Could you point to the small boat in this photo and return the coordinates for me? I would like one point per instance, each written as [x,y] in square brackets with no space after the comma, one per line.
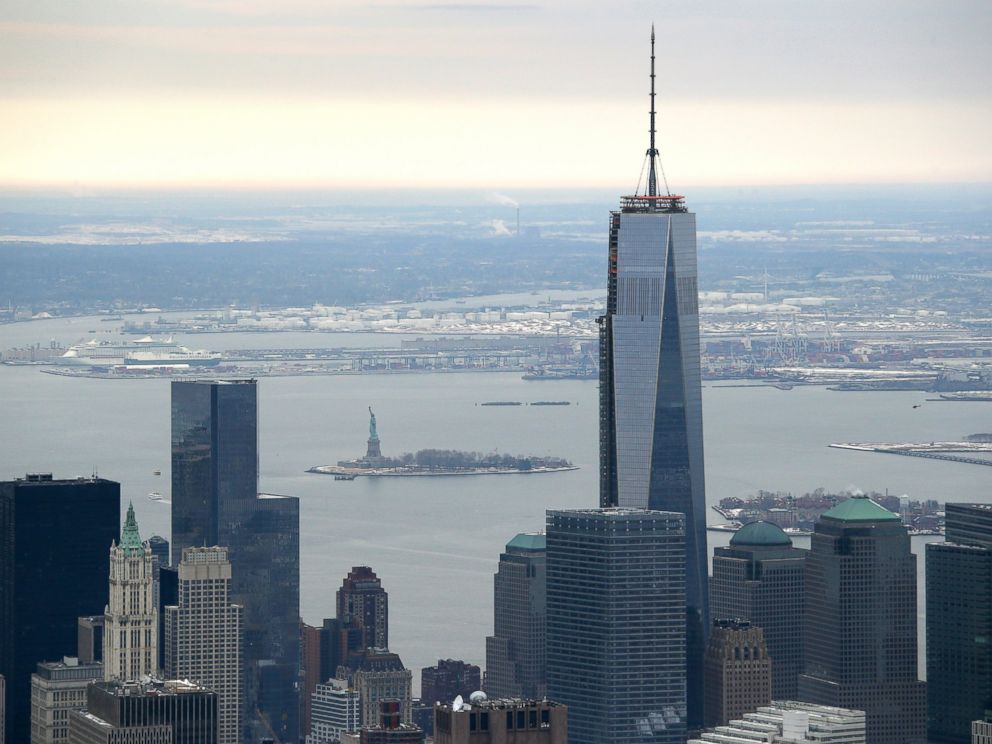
[155,496]
[156,472]
[344,477]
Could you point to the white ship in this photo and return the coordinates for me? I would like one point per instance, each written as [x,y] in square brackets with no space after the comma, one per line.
[144,352]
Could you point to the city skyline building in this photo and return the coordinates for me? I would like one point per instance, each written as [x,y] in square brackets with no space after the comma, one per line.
[130,649]
[203,634]
[737,672]
[449,679]
[861,646]
[760,577]
[310,672]
[362,603]
[650,410]
[89,638]
[616,624]
[388,728]
[54,564]
[380,675]
[959,624]
[336,708]
[215,501]
[148,712]
[57,688]
[515,652]
[516,721]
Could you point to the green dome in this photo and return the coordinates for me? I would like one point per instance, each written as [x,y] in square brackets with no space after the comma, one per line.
[760,533]
[861,509]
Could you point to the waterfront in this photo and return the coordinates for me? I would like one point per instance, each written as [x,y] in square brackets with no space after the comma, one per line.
[436,542]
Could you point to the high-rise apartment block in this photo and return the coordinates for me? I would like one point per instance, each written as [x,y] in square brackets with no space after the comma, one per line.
[651,415]
[449,679]
[336,708]
[515,653]
[310,672]
[58,688]
[737,672]
[503,722]
[380,675]
[616,623]
[860,647]
[362,603]
[215,501]
[131,618]
[151,712]
[959,624]
[790,722]
[54,565]
[203,634]
[760,578]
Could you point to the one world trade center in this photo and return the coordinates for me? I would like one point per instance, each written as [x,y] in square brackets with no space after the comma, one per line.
[651,418]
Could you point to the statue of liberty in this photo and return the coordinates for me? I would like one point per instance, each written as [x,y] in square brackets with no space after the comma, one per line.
[374,452]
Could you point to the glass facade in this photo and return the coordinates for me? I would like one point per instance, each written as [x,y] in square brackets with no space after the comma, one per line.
[959,624]
[651,427]
[55,538]
[616,624]
[215,501]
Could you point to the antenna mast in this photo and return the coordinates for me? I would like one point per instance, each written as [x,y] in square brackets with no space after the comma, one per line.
[652,150]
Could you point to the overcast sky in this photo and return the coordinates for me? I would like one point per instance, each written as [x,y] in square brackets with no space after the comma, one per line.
[492,94]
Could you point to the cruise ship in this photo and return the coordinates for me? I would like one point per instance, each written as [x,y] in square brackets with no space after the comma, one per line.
[144,352]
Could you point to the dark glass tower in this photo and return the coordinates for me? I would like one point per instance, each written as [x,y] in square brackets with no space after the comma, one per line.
[515,654]
[760,578]
[616,624]
[959,624]
[215,501]
[55,538]
[651,414]
[860,647]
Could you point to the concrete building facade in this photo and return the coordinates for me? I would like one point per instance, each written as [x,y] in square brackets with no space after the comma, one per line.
[737,672]
[130,638]
[790,722]
[203,634]
[760,577]
[861,646]
[57,688]
[381,676]
[502,722]
[336,708]
[447,680]
[515,652]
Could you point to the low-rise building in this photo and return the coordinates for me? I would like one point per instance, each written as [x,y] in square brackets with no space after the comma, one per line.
[790,722]
[57,688]
[483,721]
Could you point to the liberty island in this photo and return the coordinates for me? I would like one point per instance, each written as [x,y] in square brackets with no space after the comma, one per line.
[437,462]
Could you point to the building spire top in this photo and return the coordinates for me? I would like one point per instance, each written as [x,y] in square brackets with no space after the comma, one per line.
[130,539]
[652,152]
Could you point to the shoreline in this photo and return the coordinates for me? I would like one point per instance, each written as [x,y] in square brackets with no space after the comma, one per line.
[399,473]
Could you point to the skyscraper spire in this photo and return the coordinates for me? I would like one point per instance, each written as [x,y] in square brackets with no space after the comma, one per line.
[652,150]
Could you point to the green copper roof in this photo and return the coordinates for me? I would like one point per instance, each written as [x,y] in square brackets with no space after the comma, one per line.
[130,539]
[861,509]
[760,533]
[528,541]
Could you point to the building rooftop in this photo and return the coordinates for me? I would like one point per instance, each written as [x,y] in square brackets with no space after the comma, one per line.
[528,541]
[760,533]
[861,509]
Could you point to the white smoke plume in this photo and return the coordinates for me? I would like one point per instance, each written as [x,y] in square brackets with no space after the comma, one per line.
[505,200]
